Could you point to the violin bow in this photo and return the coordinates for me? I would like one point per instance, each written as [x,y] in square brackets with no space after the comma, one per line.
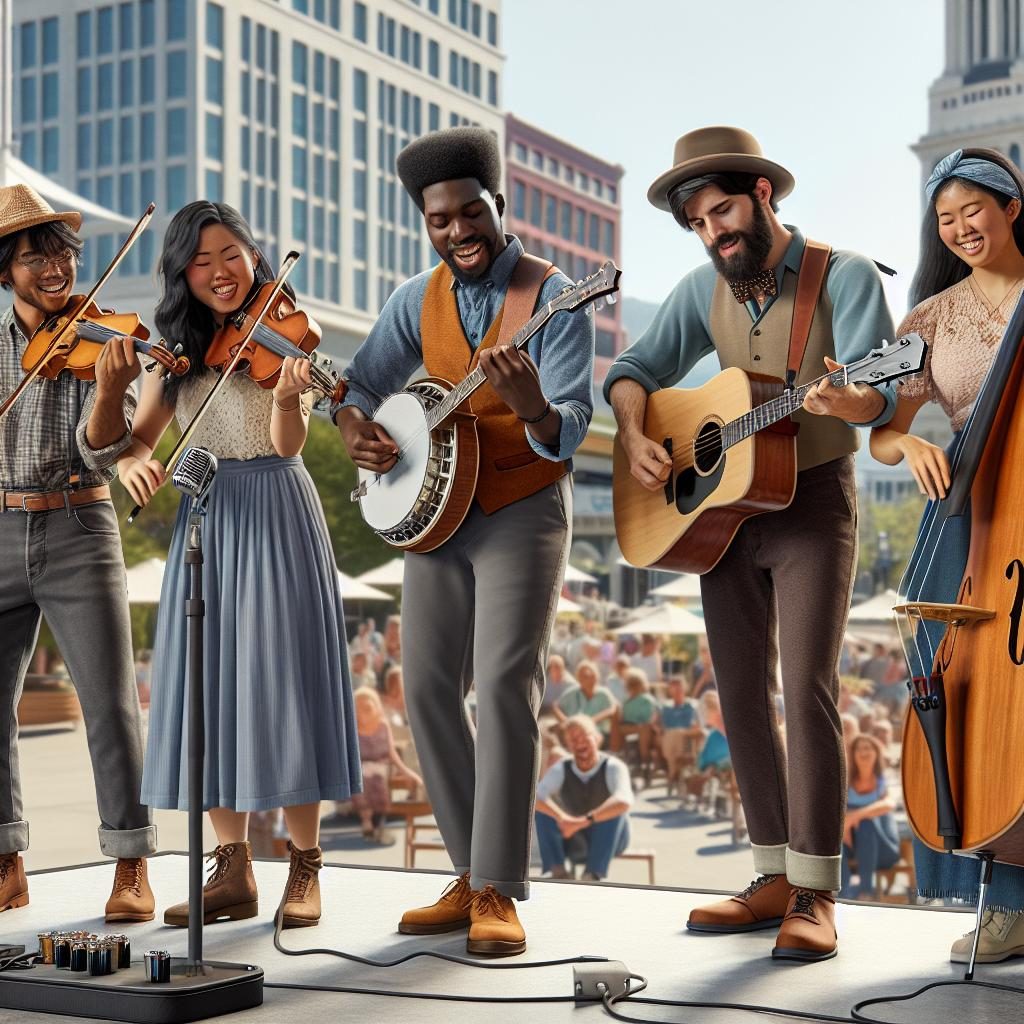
[286,268]
[60,343]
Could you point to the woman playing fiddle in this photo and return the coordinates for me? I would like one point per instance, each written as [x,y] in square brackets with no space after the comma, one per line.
[60,550]
[280,726]
[969,279]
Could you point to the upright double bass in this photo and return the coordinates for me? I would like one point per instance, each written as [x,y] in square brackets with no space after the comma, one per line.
[963,744]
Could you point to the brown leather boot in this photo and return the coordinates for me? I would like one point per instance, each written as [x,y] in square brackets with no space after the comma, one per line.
[230,892]
[808,932]
[761,905]
[13,883]
[131,898]
[448,914]
[301,906]
[494,928]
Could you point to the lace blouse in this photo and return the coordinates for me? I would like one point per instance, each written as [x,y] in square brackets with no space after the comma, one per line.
[962,330]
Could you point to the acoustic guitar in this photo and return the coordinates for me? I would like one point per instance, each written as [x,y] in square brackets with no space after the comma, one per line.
[732,458]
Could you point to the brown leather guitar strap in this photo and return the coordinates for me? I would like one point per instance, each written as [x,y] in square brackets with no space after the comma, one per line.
[813,267]
[521,298]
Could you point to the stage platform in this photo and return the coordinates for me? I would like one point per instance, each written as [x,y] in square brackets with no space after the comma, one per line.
[883,951]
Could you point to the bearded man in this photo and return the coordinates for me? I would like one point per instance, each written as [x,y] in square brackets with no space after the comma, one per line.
[801,558]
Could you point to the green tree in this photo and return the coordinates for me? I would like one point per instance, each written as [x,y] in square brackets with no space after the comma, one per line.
[899,521]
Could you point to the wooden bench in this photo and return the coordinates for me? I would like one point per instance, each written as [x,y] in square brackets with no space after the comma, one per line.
[645,855]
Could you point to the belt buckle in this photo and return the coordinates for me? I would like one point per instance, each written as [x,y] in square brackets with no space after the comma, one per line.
[24,498]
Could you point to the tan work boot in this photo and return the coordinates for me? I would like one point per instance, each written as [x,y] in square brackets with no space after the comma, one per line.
[448,914]
[301,906]
[131,898]
[1002,937]
[808,932]
[230,891]
[494,928]
[761,905]
[13,883]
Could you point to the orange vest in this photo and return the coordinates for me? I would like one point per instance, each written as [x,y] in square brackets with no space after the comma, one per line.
[509,468]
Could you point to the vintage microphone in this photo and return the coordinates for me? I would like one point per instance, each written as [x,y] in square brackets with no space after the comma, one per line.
[193,476]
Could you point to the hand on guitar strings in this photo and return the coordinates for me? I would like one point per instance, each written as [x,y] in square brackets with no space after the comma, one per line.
[854,403]
[649,463]
[369,445]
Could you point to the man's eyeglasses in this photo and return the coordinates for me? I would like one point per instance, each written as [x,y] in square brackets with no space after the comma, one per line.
[38,264]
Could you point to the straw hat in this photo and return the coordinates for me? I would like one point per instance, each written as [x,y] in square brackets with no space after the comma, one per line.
[714,151]
[22,207]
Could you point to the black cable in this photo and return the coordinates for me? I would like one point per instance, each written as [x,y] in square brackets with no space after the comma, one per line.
[858,1016]
[20,961]
[348,990]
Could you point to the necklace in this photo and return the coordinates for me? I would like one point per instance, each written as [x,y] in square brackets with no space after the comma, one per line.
[994,310]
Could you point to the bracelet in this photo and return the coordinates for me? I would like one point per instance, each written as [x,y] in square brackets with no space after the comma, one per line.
[537,419]
[287,408]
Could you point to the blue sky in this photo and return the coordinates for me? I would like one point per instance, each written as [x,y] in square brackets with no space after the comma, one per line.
[836,92]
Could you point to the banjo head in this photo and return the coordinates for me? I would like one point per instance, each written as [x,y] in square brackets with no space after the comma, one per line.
[390,496]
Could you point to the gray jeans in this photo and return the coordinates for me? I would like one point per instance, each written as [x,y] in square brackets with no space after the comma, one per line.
[479,611]
[71,569]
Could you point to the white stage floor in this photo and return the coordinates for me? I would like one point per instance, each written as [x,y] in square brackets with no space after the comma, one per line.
[883,950]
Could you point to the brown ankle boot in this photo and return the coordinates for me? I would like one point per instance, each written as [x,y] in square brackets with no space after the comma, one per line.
[448,914]
[13,883]
[131,898]
[230,892]
[301,905]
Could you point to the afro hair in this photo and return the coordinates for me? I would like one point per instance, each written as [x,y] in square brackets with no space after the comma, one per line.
[447,156]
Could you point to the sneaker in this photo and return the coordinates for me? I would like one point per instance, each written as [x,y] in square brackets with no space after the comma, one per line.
[1002,937]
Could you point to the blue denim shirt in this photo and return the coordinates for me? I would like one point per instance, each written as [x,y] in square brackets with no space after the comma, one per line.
[563,350]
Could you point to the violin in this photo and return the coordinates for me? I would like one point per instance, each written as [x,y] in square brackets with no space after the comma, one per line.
[284,330]
[80,346]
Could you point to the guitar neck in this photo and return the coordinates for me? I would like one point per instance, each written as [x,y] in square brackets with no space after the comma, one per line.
[472,381]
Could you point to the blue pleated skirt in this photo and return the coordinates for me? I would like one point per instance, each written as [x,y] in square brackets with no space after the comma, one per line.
[280,725]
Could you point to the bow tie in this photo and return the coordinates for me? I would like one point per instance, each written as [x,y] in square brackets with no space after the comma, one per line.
[762,283]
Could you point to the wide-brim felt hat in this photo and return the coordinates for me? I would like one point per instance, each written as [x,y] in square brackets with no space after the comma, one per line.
[715,150]
[23,207]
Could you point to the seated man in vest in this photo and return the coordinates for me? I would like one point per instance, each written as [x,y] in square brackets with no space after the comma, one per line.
[800,559]
[583,804]
[479,607]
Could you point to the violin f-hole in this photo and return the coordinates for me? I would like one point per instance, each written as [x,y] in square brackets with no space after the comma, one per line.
[1013,641]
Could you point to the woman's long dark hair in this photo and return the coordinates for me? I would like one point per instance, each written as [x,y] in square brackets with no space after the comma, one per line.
[180,317]
[938,268]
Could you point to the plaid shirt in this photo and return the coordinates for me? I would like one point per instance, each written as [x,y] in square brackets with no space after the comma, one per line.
[42,436]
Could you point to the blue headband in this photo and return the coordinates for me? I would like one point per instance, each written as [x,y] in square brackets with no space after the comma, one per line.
[976,169]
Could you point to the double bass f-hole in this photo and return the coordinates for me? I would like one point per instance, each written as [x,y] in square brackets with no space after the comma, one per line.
[1013,639]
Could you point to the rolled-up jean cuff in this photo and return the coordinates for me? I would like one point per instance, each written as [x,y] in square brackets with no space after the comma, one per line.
[769,860]
[809,871]
[132,842]
[14,837]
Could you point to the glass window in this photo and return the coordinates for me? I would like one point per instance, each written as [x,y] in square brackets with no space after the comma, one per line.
[274,57]
[492,88]
[492,28]
[334,179]
[518,200]
[261,154]
[299,226]
[335,15]
[51,150]
[453,69]
[359,140]
[613,194]
[609,238]
[302,6]
[51,41]
[566,225]
[334,136]
[27,148]
[147,138]
[29,44]
[360,89]
[359,21]
[246,147]
[362,292]
[359,239]
[51,95]
[434,117]
[126,192]
[214,80]
[335,80]
[584,182]
[300,57]
[359,189]
[476,79]
[177,72]
[29,111]
[551,214]
[83,146]
[246,39]
[319,175]
[105,87]
[535,207]
[214,137]
[475,22]
[105,30]
[261,46]
[126,26]
[147,22]
[177,131]
[127,140]
[176,187]
[127,82]
[581,226]
[319,227]
[177,12]
[594,241]
[214,186]
[147,80]
[83,30]
[105,193]
[319,72]
[105,145]
[434,58]
[215,25]
[318,124]
[299,122]
[299,167]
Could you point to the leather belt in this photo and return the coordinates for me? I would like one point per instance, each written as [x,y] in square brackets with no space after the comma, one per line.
[47,501]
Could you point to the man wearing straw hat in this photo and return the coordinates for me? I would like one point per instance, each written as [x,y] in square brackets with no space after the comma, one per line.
[60,550]
[802,558]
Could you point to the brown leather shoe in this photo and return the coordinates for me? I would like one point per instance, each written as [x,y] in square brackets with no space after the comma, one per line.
[808,932]
[230,892]
[131,898]
[13,883]
[448,914]
[761,905]
[494,928]
[301,906]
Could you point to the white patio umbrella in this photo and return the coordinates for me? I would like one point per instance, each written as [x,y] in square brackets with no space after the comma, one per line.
[668,619]
[144,581]
[686,585]
[389,574]
[574,575]
[875,609]
[355,590]
[567,607]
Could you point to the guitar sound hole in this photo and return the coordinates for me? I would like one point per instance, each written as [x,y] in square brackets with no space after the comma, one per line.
[707,448]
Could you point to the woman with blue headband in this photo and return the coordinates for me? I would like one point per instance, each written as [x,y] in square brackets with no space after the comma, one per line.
[969,280]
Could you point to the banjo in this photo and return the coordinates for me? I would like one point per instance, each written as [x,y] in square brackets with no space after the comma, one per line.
[423,499]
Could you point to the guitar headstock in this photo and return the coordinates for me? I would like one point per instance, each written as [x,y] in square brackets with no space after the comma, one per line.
[899,358]
[604,281]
